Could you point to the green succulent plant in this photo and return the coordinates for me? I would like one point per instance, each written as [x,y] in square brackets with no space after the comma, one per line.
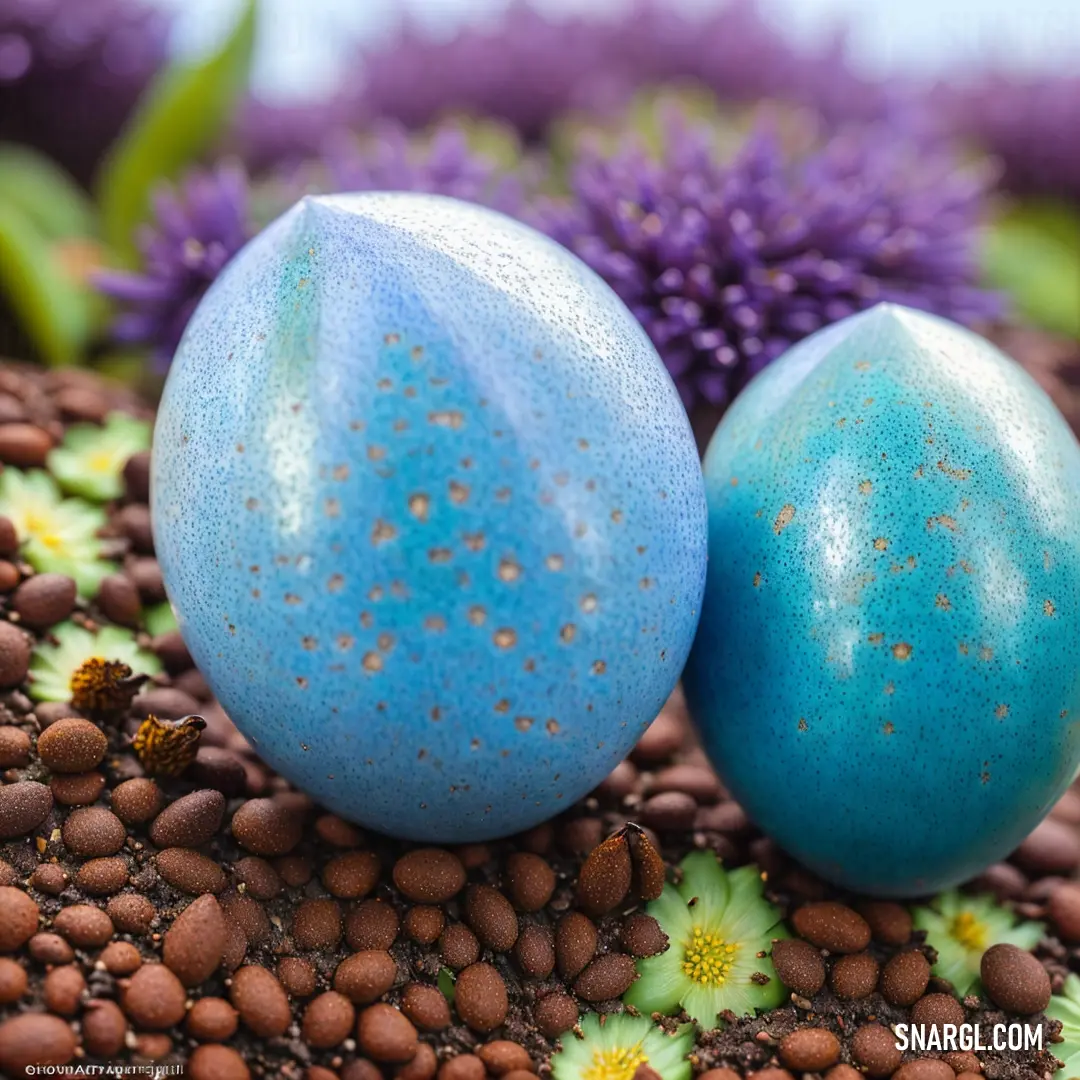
[962,927]
[91,459]
[1066,1008]
[57,535]
[721,930]
[614,1046]
[52,665]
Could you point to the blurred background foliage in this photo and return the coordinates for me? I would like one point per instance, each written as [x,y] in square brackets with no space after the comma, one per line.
[738,179]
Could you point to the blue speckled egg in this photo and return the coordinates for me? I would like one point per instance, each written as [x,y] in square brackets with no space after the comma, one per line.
[887,671]
[430,513]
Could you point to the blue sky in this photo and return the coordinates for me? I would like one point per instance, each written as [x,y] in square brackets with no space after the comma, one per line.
[304,42]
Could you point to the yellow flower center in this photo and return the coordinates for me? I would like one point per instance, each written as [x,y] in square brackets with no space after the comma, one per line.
[969,931]
[619,1063]
[40,527]
[708,958]
[101,462]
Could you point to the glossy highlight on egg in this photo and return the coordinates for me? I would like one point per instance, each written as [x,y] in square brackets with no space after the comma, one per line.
[430,514]
[887,670]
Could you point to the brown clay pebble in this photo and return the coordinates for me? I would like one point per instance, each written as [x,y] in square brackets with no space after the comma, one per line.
[1064,911]
[137,801]
[211,1019]
[843,1072]
[337,832]
[770,1074]
[264,827]
[23,807]
[491,917]
[12,980]
[103,1028]
[154,998]
[854,976]
[249,915]
[190,872]
[576,938]
[905,978]
[1015,980]
[962,1061]
[219,769]
[365,976]
[84,926]
[555,1014]
[351,875]
[530,881]
[102,877]
[423,1065]
[328,1020]
[605,875]
[501,1056]
[120,958]
[386,1034]
[14,748]
[77,789]
[832,926]
[317,924]
[297,976]
[462,1067]
[190,821]
[889,922]
[194,943]
[924,1069]
[362,1069]
[606,977]
[937,1010]
[260,879]
[642,935]
[425,1006]
[50,949]
[261,1001]
[215,1062]
[49,878]
[458,946]
[72,746]
[799,966]
[424,923]
[63,989]
[152,1046]
[429,875]
[670,811]
[1052,848]
[34,1039]
[119,599]
[874,1047]
[18,918]
[480,997]
[534,951]
[372,925]
[14,654]
[720,1074]
[131,913]
[24,445]
[44,600]
[809,1049]
[93,831]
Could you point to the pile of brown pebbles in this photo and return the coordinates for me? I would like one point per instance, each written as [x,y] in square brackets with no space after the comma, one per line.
[222,922]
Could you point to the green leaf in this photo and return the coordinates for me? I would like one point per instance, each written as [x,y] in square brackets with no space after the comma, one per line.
[179,118]
[1033,252]
[42,192]
[55,309]
[160,619]
[446,984]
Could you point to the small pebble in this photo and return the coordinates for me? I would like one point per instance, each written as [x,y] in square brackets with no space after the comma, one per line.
[799,966]
[534,951]
[554,1014]
[102,877]
[576,939]
[154,998]
[1063,909]
[874,1047]
[424,924]
[194,944]
[905,978]
[24,445]
[34,1039]
[297,976]
[261,1001]
[425,1006]
[809,1049]
[937,1010]
[44,600]
[23,807]
[63,989]
[670,811]
[264,827]
[1052,848]
[890,923]
[212,1061]
[77,789]
[832,926]
[18,918]
[104,1028]
[189,821]
[352,875]
[317,924]
[260,879]
[48,948]
[605,876]
[93,831]
[14,748]
[480,997]
[365,976]
[328,1020]
[212,1019]
[491,917]
[121,958]
[374,924]
[530,881]
[642,935]
[924,1069]
[607,977]
[385,1034]
[1015,980]
[14,654]
[137,801]
[429,875]
[131,913]
[49,878]
[462,1067]
[119,599]
[12,980]
[190,872]
[854,976]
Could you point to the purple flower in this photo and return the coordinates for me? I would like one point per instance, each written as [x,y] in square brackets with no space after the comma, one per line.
[1031,127]
[726,264]
[202,224]
[197,228]
[71,70]
[527,69]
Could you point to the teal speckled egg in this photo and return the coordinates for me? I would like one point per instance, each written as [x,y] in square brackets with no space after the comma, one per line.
[887,669]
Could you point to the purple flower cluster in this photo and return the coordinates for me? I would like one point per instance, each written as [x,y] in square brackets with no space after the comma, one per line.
[726,264]
[197,228]
[528,69]
[1032,127]
[71,71]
